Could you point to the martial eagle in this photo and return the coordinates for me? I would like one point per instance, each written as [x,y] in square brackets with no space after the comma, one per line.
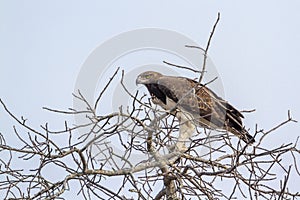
[186,95]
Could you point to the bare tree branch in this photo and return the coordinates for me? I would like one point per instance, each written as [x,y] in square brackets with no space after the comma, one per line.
[141,151]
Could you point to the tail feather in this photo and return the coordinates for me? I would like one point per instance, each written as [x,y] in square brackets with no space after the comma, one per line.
[244,135]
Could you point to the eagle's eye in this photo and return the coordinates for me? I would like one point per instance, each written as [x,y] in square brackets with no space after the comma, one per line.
[147,76]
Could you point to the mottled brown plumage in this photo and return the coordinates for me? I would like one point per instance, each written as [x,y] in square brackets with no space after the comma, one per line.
[206,108]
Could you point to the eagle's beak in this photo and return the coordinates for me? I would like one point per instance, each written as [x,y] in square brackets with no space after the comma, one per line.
[138,80]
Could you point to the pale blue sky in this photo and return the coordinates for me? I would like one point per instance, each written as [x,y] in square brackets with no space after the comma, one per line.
[255,49]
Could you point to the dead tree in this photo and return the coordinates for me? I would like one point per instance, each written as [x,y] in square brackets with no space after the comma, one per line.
[129,155]
[91,160]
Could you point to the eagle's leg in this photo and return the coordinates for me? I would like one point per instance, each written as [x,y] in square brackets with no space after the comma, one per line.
[186,130]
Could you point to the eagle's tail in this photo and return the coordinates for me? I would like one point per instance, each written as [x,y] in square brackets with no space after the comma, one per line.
[244,135]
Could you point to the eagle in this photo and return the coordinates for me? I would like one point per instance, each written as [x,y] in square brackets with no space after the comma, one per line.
[202,105]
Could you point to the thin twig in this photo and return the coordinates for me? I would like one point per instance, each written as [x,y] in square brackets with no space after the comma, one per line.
[105,87]
[206,49]
[181,67]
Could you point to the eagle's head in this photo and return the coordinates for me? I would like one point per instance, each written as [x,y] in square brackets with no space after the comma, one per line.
[148,77]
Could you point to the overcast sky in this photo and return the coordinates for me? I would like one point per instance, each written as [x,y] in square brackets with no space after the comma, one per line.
[255,49]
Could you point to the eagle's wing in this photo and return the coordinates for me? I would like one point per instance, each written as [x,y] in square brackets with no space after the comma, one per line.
[203,104]
[230,116]
[205,107]
[193,99]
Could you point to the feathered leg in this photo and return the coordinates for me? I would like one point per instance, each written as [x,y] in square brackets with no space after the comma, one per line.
[186,130]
